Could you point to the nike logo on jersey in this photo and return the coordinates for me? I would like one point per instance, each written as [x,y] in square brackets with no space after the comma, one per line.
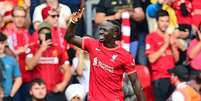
[97,49]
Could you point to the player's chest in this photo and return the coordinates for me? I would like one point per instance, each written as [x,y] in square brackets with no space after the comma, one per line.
[107,59]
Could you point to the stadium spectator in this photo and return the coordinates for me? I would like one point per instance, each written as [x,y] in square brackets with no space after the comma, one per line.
[11,74]
[160,47]
[49,63]
[107,61]
[183,9]
[64,13]
[81,66]
[75,92]
[37,90]
[194,54]
[18,41]
[183,91]
[51,16]
[152,10]
[182,41]
[196,83]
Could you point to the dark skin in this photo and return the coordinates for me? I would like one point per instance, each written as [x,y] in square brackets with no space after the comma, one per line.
[107,37]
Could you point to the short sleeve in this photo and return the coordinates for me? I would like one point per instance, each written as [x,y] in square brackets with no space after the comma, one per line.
[16,70]
[87,43]
[129,65]
[149,46]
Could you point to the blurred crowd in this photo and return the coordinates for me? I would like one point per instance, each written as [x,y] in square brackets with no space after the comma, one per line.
[164,36]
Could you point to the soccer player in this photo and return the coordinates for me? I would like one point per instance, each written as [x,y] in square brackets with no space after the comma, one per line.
[108,62]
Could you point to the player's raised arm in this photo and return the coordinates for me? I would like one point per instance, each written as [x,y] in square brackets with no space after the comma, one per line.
[71,25]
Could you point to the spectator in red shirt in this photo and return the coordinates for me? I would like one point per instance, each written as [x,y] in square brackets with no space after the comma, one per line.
[51,16]
[162,54]
[183,10]
[49,63]
[18,40]
[108,62]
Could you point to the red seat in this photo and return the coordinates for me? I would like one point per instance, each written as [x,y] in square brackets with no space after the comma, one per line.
[145,80]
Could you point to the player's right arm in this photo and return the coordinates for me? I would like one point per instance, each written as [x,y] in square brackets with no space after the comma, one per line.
[70,36]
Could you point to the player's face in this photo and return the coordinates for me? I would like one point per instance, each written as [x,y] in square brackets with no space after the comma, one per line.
[2,46]
[38,91]
[163,23]
[106,32]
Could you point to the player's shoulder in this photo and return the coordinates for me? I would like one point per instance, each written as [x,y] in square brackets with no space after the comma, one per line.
[89,38]
[123,52]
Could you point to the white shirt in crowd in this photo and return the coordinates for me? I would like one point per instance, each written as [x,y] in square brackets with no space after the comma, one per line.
[84,79]
[64,15]
[177,95]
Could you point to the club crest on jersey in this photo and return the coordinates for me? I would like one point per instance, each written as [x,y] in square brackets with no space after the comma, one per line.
[114,57]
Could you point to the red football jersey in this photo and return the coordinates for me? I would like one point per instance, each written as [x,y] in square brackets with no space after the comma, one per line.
[19,38]
[107,67]
[49,66]
[57,38]
[166,61]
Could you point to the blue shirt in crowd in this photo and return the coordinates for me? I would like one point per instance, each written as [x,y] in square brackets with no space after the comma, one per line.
[10,72]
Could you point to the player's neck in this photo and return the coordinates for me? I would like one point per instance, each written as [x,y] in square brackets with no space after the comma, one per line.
[110,44]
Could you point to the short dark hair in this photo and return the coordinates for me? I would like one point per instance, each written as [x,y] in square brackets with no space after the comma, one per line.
[161,13]
[3,37]
[36,81]
[117,28]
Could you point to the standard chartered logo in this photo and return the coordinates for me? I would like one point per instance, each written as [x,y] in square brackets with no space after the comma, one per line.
[102,65]
[95,62]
